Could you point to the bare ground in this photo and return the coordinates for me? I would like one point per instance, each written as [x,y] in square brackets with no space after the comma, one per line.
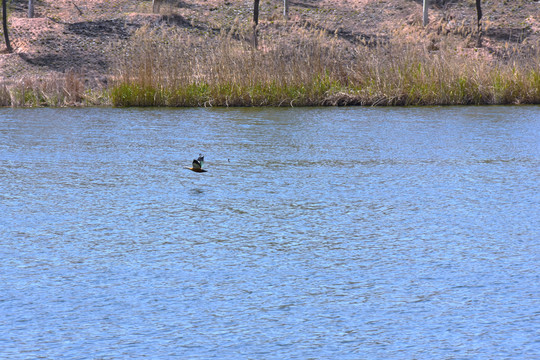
[83,36]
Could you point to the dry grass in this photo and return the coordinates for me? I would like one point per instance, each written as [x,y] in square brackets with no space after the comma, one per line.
[56,91]
[222,71]
[164,68]
[161,68]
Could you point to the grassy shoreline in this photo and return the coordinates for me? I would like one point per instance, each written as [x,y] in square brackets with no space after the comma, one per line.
[163,68]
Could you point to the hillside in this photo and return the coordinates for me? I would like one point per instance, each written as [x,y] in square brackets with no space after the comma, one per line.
[87,37]
[80,35]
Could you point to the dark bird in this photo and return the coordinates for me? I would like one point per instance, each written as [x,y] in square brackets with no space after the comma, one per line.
[197,165]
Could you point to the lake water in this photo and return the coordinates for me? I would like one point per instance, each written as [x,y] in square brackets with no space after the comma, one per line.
[324,233]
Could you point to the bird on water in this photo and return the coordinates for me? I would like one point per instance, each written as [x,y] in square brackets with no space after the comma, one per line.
[197,165]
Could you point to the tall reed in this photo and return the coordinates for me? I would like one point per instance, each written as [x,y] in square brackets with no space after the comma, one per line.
[168,68]
[300,67]
[69,89]
[172,70]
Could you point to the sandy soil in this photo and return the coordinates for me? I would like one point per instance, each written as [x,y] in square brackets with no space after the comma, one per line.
[81,35]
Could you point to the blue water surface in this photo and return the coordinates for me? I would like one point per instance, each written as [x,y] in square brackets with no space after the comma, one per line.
[320,233]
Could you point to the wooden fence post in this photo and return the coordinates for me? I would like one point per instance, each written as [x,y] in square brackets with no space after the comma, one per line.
[425,18]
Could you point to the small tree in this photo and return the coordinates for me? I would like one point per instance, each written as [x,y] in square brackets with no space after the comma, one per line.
[286,9]
[5,26]
[479,22]
[255,21]
[155,6]
[30,8]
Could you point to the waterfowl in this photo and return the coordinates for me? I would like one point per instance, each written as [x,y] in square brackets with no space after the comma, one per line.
[197,165]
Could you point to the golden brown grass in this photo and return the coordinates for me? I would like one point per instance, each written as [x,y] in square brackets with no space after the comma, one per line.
[162,68]
[70,89]
[303,67]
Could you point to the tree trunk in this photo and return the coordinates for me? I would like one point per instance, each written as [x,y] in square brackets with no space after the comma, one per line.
[479,23]
[425,18]
[286,9]
[30,8]
[155,6]
[255,21]
[4,25]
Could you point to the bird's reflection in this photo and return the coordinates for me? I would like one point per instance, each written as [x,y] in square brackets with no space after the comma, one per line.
[196,191]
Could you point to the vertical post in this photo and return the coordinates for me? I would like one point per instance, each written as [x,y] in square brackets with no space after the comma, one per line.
[479,13]
[255,21]
[155,6]
[286,9]
[30,8]
[479,22]
[4,25]
[425,18]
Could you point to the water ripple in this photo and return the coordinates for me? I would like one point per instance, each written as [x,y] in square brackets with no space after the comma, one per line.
[408,233]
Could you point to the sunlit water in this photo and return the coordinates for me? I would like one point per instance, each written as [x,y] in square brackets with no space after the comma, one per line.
[356,233]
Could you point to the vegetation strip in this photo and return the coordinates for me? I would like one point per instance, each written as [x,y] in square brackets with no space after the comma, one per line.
[155,72]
